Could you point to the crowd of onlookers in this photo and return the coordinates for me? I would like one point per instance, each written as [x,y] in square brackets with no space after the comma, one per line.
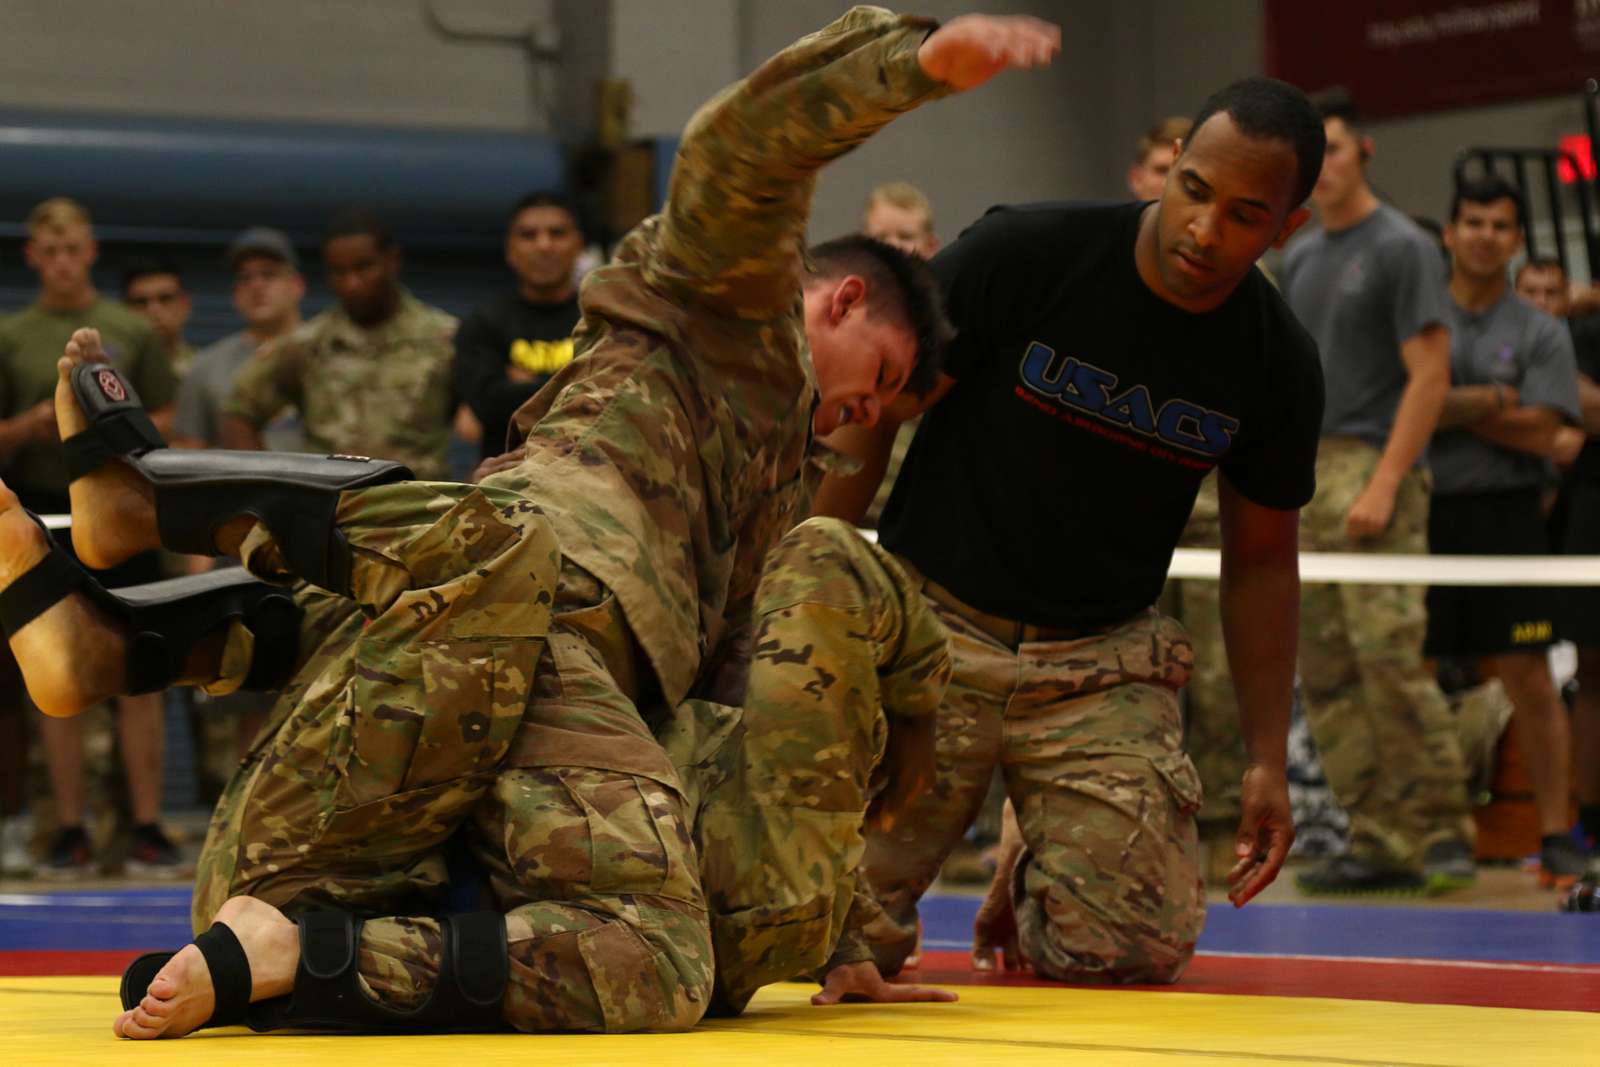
[1461,392]
[379,372]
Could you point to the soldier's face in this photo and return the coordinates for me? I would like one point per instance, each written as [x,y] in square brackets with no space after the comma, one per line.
[162,300]
[1483,239]
[1546,289]
[362,275]
[62,257]
[542,247]
[266,291]
[905,228]
[862,360]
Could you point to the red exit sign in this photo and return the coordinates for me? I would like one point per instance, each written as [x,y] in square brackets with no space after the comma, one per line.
[1577,144]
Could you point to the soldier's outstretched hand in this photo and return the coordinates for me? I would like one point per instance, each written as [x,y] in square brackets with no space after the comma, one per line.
[862,983]
[967,51]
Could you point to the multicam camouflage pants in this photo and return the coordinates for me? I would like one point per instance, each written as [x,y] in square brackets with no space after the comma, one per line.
[1088,735]
[1211,710]
[845,651]
[1384,731]
[471,685]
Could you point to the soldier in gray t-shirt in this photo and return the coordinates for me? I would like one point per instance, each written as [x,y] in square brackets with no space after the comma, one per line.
[1514,385]
[1370,287]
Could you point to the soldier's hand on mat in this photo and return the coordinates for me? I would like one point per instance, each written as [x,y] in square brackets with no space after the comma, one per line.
[967,51]
[909,769]
[861,983]
[1266,830]
[1371,514]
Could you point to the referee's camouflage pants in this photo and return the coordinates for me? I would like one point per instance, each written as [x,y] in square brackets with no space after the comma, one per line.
[1383,729]
[473,685]
[1088,736]
[1211,709]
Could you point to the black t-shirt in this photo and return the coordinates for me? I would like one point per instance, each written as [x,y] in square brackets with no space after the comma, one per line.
[1051,483]
[509,330]
[1586,346]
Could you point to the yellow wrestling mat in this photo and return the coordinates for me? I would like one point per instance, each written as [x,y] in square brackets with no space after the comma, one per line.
[67,1022]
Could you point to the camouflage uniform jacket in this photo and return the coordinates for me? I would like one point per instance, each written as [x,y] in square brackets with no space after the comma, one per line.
[381,392]
[669,453]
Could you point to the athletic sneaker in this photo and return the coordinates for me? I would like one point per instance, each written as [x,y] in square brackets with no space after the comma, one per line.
[1449,865]
[1346,875]
[15,860]
[1561,861]
[69,855]
[153,855]
[1585,893]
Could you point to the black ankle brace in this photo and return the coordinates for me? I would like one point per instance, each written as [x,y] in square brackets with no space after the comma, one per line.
[473,971]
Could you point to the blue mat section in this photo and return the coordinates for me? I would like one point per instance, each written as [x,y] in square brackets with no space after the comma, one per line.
[1344,930]
[90,920]
[145,919]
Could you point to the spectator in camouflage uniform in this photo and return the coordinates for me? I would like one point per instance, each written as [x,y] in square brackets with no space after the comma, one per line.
[371,375]
[486,664]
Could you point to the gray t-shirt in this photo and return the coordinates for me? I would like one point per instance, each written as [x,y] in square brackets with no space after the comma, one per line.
[1360,293]
[206,389]
[1515,344]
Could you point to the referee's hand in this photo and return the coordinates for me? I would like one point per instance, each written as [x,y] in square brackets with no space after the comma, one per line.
[1266,830]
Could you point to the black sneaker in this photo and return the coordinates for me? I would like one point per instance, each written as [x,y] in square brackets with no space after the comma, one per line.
[153,855]
[1347,875]
[1449,865]
[1561,861]
[69,856]
[1585,892]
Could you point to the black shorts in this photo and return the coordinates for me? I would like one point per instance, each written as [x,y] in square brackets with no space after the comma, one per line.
[1474,620]
[1580,617]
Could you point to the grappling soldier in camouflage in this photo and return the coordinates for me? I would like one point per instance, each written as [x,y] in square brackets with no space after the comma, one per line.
[476,657]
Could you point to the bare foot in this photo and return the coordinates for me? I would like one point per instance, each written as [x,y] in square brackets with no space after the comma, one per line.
[72,656]
[113,509]
[180,997]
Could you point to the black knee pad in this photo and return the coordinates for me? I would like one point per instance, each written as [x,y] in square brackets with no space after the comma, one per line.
[166,618]
[474,968]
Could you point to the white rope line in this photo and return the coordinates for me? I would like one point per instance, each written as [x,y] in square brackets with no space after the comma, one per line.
[1359,568]
[1368,568]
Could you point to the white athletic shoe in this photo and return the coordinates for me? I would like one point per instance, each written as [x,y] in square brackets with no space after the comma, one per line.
[15,859]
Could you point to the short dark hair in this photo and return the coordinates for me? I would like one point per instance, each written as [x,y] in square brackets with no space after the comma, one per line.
[900,285]
[1486,189]
[1337,102]
[1540,263]
[144,267]
[547,198]
[1270,109]
[358,222]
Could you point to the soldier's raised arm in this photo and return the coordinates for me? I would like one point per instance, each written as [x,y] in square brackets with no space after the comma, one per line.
[733,229]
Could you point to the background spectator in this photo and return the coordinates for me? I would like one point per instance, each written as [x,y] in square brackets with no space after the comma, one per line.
[1513,383]
[509,347]
[1544,283]
[153,288]
[1153,155]
[371,375]
[898,214]
[1370,288]
[267,290]
[61,249]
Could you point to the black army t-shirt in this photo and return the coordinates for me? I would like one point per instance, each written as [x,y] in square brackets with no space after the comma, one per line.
[509,331]
[1051,483]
